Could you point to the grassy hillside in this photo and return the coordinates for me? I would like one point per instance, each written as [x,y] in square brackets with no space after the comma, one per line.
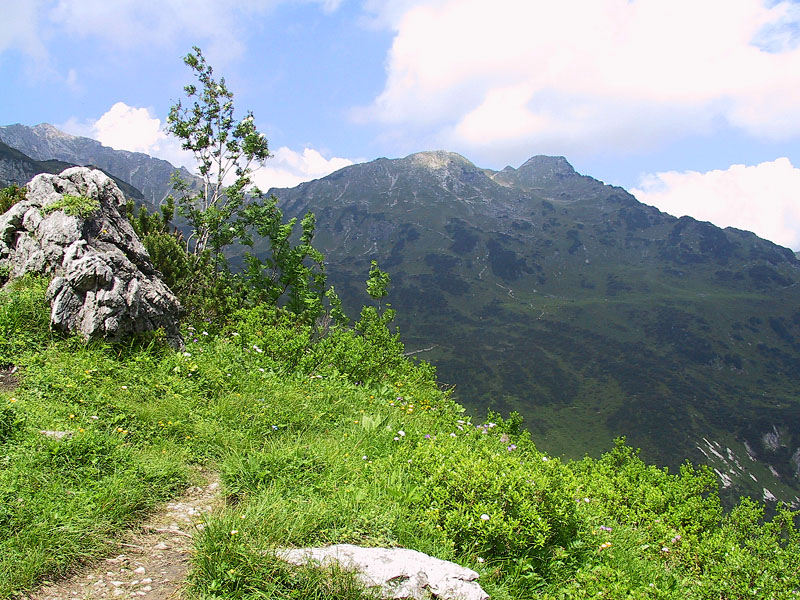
[338,438]
[547,292]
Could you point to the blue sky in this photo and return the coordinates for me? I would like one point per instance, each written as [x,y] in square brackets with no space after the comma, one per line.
[694,105]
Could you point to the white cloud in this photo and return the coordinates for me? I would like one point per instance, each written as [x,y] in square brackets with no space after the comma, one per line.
[578,75]
[764,198]
[29,25]
[288,168]
[125,127]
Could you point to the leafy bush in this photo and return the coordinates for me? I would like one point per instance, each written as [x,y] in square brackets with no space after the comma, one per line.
[74,206]
[492,501]
[10,195]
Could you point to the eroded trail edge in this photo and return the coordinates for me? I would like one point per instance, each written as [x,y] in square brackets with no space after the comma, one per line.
[152,560]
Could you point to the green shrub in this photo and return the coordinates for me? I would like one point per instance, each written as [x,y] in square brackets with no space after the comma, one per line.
[10,195]
[74,206]
[494,501]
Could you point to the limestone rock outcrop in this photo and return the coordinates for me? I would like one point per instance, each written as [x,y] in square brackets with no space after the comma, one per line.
[397,572]
[104,284]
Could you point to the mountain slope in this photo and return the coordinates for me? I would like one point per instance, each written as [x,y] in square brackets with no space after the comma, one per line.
[44,142]
[545,291]
[541,290]
[17,168]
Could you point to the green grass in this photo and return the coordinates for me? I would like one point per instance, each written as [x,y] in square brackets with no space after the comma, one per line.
[313,450]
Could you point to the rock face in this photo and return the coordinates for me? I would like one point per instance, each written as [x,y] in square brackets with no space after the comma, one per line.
[44,142]
[104,284]
[398,572]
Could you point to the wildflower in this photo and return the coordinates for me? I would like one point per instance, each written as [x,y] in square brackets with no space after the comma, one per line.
[364,457]
[511,447]
[205,333]
[396,439]
[401,433]
[665,549]
[604,528]
[260,369]
[234,531]
[427,436]
[504,438]
[545,459]
[274,428]
[605,545]
[187,354]
[676,539]
[234,334]
[485,517]
[12,400]
[481,560]
[124,387]
[586,500]
[452,435]
[72,416]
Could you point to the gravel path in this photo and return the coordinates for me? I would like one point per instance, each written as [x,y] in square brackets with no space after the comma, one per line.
[153,559]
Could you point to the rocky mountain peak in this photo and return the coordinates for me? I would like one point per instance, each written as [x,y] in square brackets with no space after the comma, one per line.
[542,166]
[49,130]
[436,160]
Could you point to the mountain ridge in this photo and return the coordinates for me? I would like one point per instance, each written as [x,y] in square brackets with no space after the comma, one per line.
[542,290]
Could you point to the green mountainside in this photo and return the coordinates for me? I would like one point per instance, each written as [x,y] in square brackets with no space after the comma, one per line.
[540,290]
[547,292]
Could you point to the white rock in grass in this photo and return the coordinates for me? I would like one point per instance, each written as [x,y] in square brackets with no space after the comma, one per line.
[399,572]
[57,435]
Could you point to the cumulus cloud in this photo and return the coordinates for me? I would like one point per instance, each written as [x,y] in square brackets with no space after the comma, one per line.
[761,198]
[125,127]
[288,168]
[576,75]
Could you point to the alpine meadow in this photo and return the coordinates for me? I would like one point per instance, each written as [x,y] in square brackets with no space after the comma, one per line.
[412,353]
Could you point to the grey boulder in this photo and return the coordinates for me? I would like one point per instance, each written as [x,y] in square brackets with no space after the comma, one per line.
[398,572]
[104,284]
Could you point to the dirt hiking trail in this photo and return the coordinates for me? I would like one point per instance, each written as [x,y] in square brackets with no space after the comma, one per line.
[152,559]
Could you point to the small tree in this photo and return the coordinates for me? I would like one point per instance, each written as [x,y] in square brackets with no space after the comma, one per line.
[220,215]
[223,148]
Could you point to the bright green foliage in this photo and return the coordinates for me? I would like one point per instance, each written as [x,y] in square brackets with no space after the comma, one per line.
[378,457]
[377,283]
[222,213]
[492,501]
[24,318]
[296,271]
[223,147]
[10,195]
[75,206]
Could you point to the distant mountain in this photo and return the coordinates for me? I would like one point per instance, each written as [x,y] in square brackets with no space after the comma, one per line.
[542,290]
[16,167]
[44,142]
[547,292]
